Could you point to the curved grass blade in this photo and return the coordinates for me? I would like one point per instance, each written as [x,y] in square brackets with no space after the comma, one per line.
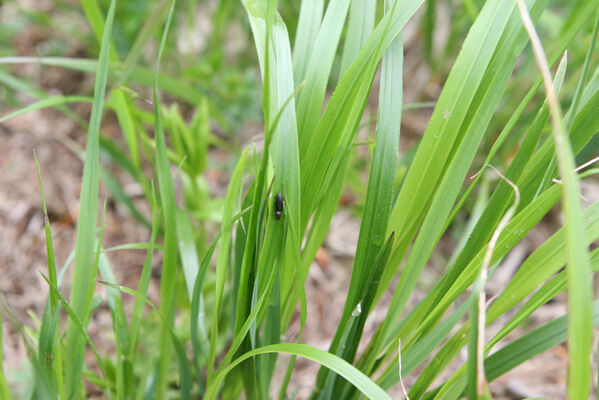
[336,364]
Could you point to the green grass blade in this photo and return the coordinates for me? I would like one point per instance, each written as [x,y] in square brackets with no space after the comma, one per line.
[54,101]
[144,283]
[198,331]
[336,364]
[531,344]
[307,29]
[48,232]
[187,250]
[151,24]
[359,28]
[145,76]
[82,331]
[580,292]
[334,133]
[379,197]
[551,289]
[4,389]
[223,254]
[168,279]
[185,380]
[119,322]
[86,223]
[311,99]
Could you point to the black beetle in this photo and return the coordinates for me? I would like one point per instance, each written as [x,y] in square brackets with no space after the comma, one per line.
[278,206]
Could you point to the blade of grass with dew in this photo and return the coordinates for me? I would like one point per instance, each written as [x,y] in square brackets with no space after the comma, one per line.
[86,223]
[336,364]
[349,346]
[359,28]
[310,17]
[379,197]
[326,390]
[579,288]
[447,280]
[168,281]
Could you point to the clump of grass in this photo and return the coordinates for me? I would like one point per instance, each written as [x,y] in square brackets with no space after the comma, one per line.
[264,252]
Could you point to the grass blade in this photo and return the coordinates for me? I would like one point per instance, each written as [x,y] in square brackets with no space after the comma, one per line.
[86,223]
[336,364]
[578,270]
[168,280]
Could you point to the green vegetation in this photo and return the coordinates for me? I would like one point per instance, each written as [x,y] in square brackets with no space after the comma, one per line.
[219,326]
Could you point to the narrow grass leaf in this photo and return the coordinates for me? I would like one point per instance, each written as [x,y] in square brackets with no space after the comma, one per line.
[46,103]
[86,223]
[336,364]
[168,281]
[578,270]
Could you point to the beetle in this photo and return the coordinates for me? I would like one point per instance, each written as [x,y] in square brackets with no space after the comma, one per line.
[278,206]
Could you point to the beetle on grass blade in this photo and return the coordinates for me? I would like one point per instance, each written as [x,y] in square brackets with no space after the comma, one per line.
[278,206]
